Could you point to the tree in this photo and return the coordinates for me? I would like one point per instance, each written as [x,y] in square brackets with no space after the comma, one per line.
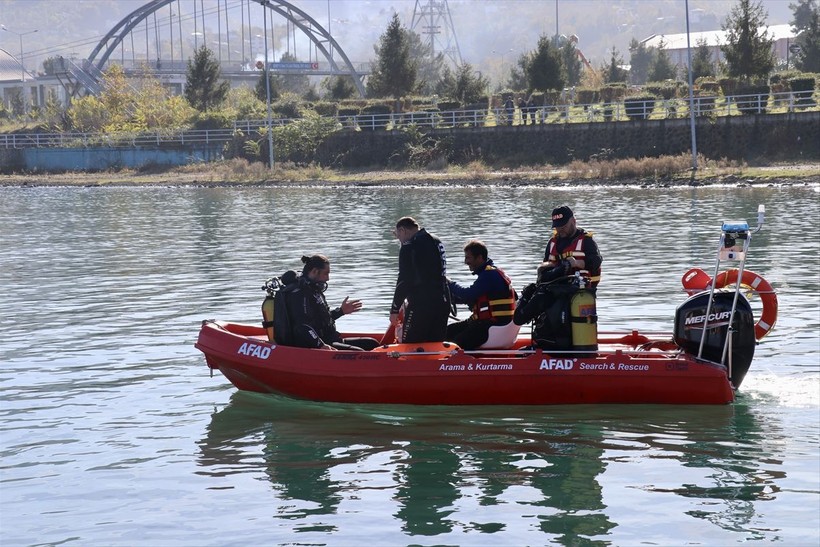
[803,12]
[748,52]
[573,69]
[395,72]
[518,72]
[293,83]
[261,89]
[430,66]
[466,85]
[702,62]
[340,87]
[613,72]
[544,70]
[662,67]
[640,61]
[203,88]
[807,21]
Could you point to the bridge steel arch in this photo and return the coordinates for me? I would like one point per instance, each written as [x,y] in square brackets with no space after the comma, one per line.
[307,24]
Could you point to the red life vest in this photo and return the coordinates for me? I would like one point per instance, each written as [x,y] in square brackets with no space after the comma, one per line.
[498,306]
[576,250]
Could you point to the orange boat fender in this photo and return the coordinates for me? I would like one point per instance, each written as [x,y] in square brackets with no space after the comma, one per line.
[763,288]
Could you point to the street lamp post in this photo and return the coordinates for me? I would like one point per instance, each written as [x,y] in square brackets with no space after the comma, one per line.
[20,35]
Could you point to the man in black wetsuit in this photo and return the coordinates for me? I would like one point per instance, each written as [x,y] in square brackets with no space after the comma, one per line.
[312,322]
[422,282]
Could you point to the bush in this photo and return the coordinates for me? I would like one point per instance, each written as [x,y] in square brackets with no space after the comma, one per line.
[752,99]
[704,105]
[447,111]
[639,107]
[289,106]
[664,90]
[587,95]
[326,109]
[474,114]
[802,88]
[374,116]
[347,116]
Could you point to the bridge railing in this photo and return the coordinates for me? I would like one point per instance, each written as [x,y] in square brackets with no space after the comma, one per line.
[459,118]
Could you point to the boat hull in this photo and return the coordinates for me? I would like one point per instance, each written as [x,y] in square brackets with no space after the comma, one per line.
[509,377]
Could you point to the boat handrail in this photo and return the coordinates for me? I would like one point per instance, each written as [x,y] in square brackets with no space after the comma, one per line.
[527,352]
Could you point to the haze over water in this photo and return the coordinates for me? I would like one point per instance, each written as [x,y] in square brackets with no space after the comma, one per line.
[113,432]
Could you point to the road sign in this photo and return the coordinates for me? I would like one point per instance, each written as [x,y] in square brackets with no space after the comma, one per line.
[795,49]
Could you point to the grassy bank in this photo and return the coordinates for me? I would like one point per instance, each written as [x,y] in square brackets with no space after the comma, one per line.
[663,171]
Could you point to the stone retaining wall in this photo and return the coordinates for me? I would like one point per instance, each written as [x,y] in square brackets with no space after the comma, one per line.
[793,136]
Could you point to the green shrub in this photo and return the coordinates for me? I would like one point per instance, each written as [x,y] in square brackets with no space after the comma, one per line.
[326,108]
[752,98]
[664,90]
[704,105]
[374,116]
[639,107]
[587,95]
[802,87]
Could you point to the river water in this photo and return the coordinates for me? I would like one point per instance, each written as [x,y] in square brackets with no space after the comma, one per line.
[113,432]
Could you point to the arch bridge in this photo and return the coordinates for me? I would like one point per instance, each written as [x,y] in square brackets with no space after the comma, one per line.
[164,33]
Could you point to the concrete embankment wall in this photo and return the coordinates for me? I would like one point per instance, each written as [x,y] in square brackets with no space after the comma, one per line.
[101,159]
[793,136]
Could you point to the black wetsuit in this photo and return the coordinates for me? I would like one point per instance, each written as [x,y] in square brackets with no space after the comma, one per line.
[422,282]
[313,323]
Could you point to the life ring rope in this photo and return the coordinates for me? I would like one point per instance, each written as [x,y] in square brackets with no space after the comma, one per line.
[763,288]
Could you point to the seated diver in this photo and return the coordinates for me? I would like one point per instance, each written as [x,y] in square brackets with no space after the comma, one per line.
[312,322]
[545,303]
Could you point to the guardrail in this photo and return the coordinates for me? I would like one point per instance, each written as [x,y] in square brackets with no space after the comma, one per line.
[118,140]
[492,117]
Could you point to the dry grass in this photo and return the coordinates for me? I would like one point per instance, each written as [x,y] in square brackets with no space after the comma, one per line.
[660,168]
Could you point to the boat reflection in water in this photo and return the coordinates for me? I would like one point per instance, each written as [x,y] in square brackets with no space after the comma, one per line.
[494,469]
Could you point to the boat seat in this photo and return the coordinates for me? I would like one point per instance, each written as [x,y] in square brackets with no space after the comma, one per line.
[501,336]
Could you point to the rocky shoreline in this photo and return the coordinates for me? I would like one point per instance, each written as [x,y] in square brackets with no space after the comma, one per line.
[777,175]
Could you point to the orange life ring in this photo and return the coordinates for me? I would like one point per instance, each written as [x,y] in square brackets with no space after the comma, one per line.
[762,287]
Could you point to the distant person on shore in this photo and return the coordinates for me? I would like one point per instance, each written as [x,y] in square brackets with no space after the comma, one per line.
[312,322]
[522,107]
[491,298]
[422,282]
[509,110]
[532,109]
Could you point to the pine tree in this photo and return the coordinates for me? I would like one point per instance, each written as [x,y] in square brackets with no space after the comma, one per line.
[662,68]
[613,72]
[702,62]
[203,88]
[261,89]
[544,70]
[573,69]
[748,52]
[395,72]
[640,61]
[807,21]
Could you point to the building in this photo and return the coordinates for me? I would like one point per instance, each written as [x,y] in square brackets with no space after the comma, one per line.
[675,44]
[20,90]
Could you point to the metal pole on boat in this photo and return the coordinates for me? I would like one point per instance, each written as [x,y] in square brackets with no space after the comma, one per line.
[691,96]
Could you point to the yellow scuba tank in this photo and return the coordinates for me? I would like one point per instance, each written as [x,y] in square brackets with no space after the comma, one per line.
[267,316]
[584,319]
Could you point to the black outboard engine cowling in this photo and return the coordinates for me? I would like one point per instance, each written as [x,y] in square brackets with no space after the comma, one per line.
[689,321]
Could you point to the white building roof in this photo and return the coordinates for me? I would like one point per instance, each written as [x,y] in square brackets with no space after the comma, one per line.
[712,37]
[9,67]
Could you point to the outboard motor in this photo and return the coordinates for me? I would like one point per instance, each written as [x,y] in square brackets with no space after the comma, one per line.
[690,320]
